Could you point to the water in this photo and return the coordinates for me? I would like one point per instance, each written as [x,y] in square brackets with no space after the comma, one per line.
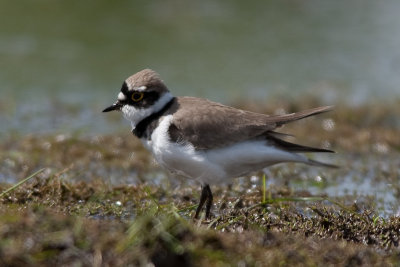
[366,180]
[77,54]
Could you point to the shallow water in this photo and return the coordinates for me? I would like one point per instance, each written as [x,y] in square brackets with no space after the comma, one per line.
[369,181]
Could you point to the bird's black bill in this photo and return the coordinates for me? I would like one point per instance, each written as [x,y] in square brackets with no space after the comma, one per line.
[115,106]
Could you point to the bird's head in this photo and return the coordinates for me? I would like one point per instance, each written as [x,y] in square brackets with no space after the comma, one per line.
[141,95]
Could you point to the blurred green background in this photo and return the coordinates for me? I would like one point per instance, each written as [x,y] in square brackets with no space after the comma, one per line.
[62,62]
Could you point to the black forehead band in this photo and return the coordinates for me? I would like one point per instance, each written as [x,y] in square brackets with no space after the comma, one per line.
[124,88]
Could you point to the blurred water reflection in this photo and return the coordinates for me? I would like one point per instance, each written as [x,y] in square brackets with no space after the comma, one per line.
[77,53]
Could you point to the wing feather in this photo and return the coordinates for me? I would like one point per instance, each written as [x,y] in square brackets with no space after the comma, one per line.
[208,124]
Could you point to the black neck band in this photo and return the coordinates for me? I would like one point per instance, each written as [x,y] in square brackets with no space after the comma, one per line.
[141,127]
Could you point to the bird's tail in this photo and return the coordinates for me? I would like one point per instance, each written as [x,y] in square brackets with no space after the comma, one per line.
[296,148]
[285,145]
[321,164]
[280,120]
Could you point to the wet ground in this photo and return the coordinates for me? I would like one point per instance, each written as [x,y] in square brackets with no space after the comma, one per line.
[101,200]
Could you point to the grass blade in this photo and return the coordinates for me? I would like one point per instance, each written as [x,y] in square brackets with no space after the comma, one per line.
[293,199]
[21,182]
[264,189]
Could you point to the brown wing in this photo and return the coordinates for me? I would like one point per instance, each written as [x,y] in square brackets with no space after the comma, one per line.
[207,124]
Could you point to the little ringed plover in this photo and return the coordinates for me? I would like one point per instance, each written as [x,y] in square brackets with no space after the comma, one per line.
[205,140]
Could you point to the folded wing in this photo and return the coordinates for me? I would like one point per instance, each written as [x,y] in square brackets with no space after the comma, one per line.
[208,124]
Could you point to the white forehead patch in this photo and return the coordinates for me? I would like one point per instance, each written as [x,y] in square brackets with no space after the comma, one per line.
[121,96]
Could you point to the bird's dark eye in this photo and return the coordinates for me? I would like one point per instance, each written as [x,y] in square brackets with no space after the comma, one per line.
[137,96]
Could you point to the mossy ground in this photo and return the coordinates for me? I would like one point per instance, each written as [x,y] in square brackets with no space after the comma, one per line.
[101,201]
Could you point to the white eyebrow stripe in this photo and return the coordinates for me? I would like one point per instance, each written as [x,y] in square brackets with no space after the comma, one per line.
[141,88]
[121,96]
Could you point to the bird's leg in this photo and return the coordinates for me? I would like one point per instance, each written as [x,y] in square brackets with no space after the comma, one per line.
[206,195]
[209,201]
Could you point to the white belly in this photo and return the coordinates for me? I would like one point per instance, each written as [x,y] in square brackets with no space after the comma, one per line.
[215,165]
[178,158]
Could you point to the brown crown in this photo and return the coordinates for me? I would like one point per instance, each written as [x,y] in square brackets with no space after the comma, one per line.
[148,78]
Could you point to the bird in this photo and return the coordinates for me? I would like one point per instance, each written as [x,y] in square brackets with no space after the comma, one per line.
[205,140]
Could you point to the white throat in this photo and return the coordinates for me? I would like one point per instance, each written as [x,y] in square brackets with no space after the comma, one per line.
[135,115]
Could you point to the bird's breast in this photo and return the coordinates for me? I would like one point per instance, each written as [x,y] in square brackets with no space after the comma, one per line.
[177,157]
